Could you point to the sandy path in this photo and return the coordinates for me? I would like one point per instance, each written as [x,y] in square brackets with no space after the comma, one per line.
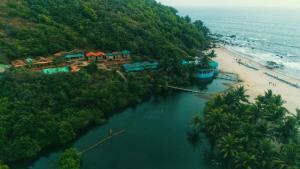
[257,82]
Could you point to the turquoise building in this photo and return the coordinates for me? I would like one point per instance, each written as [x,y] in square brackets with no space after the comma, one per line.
[140,66]
[205,73]
[51,71]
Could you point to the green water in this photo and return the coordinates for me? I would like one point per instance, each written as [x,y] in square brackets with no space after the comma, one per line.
[155,137]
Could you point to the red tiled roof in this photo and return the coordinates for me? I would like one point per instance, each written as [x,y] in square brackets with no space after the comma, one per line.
[94,54]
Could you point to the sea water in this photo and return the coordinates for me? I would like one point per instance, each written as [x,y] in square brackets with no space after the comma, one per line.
[262,34]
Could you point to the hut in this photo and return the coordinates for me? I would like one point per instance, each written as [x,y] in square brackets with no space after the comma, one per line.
[40,63]
[18,63]
[95,56]
[117,55]
[109,56]
[140,66]
[70,57]
[125,54]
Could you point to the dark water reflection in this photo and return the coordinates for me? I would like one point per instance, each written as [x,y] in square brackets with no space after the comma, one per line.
[155,137]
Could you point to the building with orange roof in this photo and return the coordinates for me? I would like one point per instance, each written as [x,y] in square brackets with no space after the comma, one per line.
[95,56]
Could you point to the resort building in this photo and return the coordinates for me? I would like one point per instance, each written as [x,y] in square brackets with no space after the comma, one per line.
[117,55]
[18,63]
[204,73]
[70,57]
[140,66]
[40,63]
[125,54]
[95,56]
[51,71]
[207,73]
[110,56]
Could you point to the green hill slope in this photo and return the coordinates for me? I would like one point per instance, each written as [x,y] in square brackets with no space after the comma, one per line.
[41,27]
[38,111]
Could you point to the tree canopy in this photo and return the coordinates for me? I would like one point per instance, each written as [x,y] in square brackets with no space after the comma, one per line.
[260,135]
[70,159]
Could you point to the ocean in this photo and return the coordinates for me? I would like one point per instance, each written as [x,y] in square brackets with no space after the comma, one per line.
[261,34]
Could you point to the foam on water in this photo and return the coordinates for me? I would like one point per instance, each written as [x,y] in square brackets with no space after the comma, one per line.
[260,34]
[291,67]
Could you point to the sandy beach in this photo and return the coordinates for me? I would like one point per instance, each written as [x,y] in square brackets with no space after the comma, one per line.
[257,79]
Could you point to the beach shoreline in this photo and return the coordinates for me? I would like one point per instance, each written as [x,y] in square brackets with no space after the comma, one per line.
[257,78]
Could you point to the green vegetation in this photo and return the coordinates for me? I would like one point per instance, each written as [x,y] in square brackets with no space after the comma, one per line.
[2,166]
[38,111]
[260,135]
[35,27]
[70,159]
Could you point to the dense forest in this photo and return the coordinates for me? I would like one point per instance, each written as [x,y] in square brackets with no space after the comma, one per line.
[244,135]
[30,28]
[38,111]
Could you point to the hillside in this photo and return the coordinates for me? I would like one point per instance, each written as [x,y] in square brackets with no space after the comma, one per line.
[34,28]
[38,111]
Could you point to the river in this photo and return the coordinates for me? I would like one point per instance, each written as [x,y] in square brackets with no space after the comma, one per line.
[155,136]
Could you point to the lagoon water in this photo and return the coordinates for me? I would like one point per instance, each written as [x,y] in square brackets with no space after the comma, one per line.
[155,136]
[262,34]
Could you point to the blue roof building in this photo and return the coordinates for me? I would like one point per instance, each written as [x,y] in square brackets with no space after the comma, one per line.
[51,71]
[140,66]
[74,56]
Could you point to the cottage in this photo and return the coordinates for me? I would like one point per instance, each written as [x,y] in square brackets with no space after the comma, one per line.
[109,56]
[18,63]
[140,66]
[70,57]
[40,63]
[95,56]
[117,55]
[125,54]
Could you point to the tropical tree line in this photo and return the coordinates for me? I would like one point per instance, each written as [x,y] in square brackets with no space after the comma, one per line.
[244,135]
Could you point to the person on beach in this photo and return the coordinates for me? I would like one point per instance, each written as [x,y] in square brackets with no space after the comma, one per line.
[110,132]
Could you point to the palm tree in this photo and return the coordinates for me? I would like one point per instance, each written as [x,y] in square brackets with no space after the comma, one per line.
[265,151]
[196,123]
[216,122]
[288,158]
[245,160]
[288,130]
[228,146]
